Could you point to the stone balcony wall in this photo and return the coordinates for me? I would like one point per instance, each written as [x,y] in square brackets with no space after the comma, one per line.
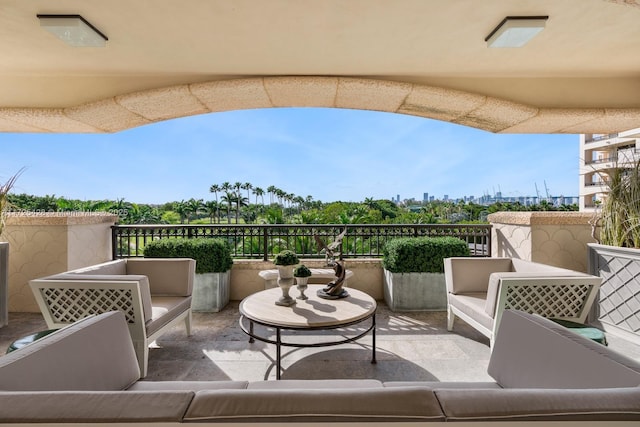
[555,238]
[42,244]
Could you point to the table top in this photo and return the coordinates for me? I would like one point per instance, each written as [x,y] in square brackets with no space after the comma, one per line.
[314,312]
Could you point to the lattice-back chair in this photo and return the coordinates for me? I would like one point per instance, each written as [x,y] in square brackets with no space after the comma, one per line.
[68,297]
[65,303]
[563,298]
[480,289]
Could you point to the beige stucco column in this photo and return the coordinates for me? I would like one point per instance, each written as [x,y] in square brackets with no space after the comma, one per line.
[555,238]
[42,244]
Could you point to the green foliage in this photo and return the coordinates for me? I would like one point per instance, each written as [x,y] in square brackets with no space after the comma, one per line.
[286,257]
[211,255]
[301,271]
[621,208]
[421,254]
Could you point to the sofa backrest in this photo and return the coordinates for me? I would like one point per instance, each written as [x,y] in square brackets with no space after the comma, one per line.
[530,351]
[468,274]
[95,353]
[167,276]
[117,267]
[417,404]
[524,266]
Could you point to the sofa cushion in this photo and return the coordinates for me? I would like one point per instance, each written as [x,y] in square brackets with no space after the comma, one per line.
[93,406]
[472,304]
[308,405]
[437,385]
[188,385]
[533,352]
[165,310]
[621,404]
[338,384]
[95,353]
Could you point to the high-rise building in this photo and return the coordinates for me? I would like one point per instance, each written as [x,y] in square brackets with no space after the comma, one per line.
[425,197]
[600,154]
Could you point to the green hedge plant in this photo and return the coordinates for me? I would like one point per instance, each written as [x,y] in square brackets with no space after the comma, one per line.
[421,254]
[286,257]
[301,271]
[211,255]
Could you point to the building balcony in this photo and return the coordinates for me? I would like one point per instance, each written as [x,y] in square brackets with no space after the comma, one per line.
[412,346]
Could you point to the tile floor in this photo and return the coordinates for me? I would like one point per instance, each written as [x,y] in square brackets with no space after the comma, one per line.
[410,346]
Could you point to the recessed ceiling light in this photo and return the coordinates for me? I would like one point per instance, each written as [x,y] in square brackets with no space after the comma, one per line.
[73,30]
[516,31]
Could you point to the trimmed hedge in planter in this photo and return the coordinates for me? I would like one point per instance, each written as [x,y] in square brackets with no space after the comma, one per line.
[211,255]
[421,254]
[414,272]
[213,264]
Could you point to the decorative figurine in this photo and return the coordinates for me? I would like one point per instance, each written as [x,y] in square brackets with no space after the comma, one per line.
[334,289]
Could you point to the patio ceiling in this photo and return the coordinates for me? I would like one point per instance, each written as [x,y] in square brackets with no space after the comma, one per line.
[168,58]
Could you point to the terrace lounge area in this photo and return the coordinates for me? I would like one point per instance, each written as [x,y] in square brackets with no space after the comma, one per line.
[428,59]
[411,346]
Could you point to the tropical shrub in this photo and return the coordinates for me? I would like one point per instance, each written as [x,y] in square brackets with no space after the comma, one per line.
[421,254]
[211,255]
[286,257]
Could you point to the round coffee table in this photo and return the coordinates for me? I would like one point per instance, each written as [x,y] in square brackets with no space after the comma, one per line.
[312,314]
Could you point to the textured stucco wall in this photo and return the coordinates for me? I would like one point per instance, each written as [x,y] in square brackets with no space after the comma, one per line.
[45,244]
[367,276]
[554,238]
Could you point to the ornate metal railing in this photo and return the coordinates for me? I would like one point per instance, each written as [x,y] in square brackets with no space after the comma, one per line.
[263,241]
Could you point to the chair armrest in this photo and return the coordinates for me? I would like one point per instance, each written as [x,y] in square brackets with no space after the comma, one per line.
[167,276]
[63,301]
[496,279]
[467,274]
[564,297]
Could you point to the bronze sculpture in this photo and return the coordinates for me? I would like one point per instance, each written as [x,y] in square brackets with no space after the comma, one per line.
[333,289]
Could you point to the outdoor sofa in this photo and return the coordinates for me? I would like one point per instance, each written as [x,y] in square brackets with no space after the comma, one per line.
[479,290]
[154,293]
[88,373]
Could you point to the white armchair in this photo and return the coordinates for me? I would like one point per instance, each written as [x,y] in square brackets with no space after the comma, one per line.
[480,289]
[153,293]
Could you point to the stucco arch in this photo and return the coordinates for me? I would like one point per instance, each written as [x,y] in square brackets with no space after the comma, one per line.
[474,110]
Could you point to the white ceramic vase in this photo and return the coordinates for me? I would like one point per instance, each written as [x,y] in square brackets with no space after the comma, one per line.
[301,282]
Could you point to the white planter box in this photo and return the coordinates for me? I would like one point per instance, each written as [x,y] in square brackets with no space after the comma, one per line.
[415,291]
[210,291]
[617,308]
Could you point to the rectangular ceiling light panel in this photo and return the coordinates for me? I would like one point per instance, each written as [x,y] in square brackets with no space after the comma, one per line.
[73,30]
[516,31]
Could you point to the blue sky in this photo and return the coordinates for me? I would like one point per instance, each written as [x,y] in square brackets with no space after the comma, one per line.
[330,154]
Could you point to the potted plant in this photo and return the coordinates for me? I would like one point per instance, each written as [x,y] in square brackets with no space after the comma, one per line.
[213,268]
[302,274]
[616,256]
[4,249]
[414,271]
[285,260]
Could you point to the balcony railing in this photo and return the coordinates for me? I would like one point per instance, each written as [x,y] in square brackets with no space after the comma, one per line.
[600,137]
[263,241]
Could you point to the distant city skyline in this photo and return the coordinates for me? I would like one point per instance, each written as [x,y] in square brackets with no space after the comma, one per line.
[329,154]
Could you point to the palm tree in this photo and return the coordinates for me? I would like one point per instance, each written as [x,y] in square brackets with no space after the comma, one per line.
[259,192]
[228,198]
[181,209]
[240,202]
[247,186]
[214,189]
[272,191]
[193,207]
[210,208]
